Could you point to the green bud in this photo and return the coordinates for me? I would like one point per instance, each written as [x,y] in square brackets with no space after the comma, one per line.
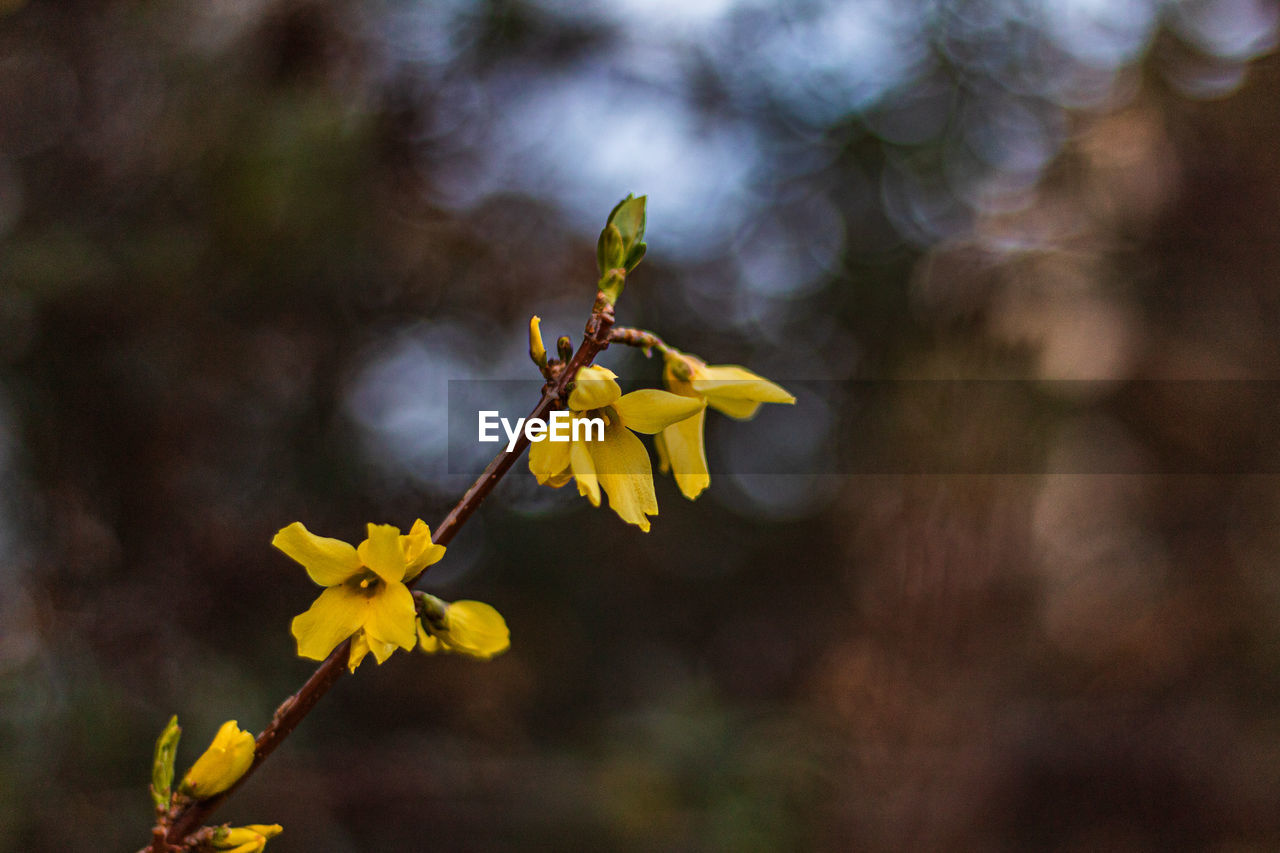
[609,253]
[629,218]
[564,348]
[162,765]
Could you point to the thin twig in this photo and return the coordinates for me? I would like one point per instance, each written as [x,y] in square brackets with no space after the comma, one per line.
[187,819]
[646,341]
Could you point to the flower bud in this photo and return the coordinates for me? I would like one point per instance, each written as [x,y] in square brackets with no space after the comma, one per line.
[162,765]
[245,839]
[537,351]
[223,763]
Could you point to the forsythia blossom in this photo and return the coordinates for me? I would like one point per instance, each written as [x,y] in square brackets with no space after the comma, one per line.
[365,593]
[733,390]
[245,839]
[619,463]
[470,628]
[222,764]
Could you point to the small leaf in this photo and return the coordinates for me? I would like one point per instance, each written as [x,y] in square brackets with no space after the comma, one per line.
[162,765]
[629,217]
[609,251]
[635,256]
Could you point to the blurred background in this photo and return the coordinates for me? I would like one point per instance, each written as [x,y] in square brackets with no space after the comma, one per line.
[245,245]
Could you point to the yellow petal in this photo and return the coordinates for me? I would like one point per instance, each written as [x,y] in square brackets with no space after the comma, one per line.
[548,459]
[594,388]
[328,561]
[335,615]
[222,764]
[737,391]
[382,651]
[626,475]
[687,454]
[427,642]
[388,619]
[383,553]
[664,459]
[584,471]
[419,550]
[651,410]
[475,629]
[359,648]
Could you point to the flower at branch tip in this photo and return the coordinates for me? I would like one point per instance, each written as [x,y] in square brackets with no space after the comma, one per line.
[222,764]
[365,594]
[245,839]
[618,463]
[470,628]
[727,388]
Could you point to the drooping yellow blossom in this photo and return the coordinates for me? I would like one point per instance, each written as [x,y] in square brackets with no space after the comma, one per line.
[222,764]
[733,390]
[470,628]
[365,593]
[245,839]
[618,463]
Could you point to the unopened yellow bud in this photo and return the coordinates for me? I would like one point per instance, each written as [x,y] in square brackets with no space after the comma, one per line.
[245,839]
[222,764]
[537,351]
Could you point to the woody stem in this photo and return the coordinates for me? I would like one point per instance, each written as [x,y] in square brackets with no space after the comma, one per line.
[187,818]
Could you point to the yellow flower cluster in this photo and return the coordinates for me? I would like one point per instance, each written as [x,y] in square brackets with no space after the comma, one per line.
[366,597]
[619,464]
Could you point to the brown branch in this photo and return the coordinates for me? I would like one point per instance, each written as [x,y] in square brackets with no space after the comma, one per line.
[186,819]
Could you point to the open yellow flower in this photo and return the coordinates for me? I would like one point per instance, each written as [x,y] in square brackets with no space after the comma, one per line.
[365,593]
[221,765]
[733,390]
[245,839]
[470,628]
[618,463]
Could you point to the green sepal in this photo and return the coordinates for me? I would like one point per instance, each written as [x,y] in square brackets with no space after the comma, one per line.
[609,252]
[162,765]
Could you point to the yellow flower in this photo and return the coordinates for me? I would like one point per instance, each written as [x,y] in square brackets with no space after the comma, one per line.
[366,595]
[222,764]
[618,463]
[733,390]
[245,839]
[470,628]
